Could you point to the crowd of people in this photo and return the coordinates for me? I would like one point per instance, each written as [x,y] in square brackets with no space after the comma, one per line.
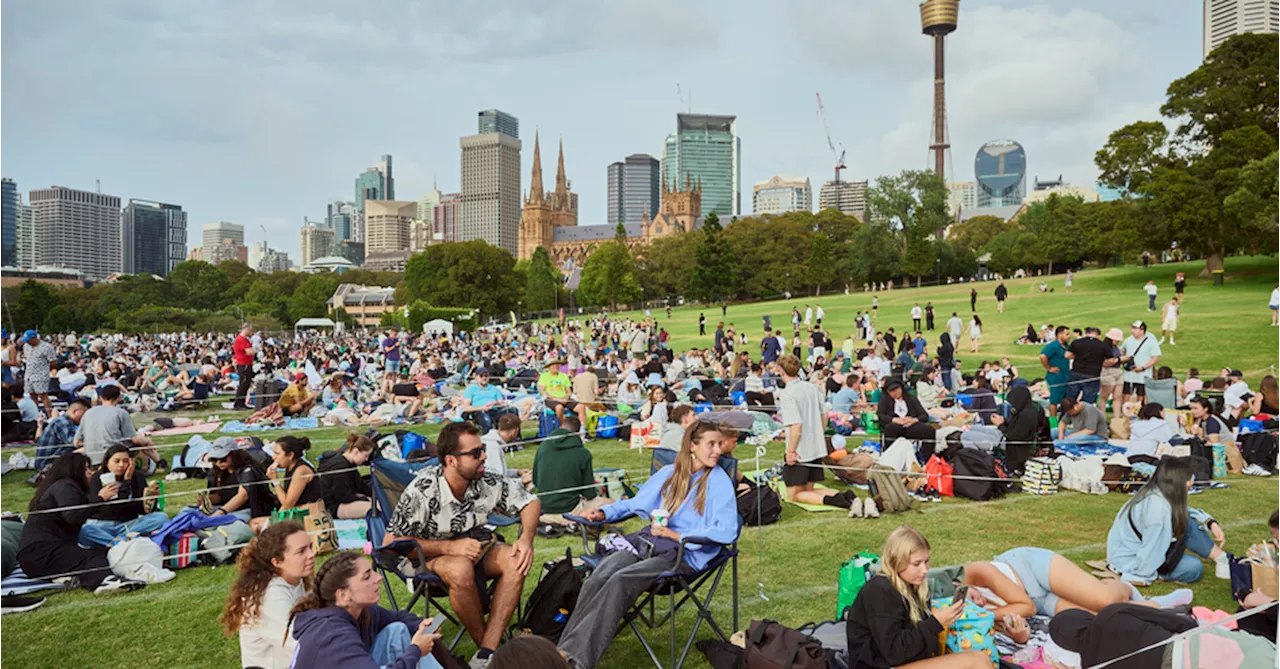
[909,390]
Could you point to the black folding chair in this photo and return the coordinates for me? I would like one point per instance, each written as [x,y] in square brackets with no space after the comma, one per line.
[672,584]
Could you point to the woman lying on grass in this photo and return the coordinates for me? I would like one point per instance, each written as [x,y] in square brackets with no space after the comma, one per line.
[274,572]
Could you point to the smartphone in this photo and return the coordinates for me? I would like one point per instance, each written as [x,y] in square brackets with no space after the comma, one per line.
[962,593]
[435,624]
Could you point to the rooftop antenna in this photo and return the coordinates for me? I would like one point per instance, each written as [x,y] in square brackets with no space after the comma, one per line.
[98,184]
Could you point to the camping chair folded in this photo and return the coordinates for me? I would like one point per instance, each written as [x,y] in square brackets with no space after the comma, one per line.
[682,583]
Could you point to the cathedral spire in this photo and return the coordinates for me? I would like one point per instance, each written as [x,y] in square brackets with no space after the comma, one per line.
[562,185]
[535,184]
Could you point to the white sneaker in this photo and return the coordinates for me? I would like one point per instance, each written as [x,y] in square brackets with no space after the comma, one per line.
[1222,567]
[855,508]
[477,663]
[113,584]
[869,508]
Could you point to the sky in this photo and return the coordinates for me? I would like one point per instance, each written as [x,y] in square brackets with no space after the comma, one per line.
[260,112]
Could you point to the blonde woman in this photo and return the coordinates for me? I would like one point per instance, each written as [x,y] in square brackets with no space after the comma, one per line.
[699,498]
[890,623]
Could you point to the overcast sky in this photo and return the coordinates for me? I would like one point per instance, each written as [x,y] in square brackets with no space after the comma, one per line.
[259,112]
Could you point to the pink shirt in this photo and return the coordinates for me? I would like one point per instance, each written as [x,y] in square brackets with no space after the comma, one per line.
[1192,385]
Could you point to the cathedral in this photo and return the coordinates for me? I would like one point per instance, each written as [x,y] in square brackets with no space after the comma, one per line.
[550,219]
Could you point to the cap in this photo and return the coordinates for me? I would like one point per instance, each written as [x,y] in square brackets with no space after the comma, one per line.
[30,334]
[1235,372]
[1115,333]
[4,334]
[300,376]
[1139,324]
[222,447]
[655,379]
[482,371]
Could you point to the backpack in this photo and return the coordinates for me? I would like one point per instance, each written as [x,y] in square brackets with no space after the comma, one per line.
[759,504]
[557,591]
[225,541]
[857,464]
[973,462]
[194,459]
[772,645]
[1259,448]
[887,489]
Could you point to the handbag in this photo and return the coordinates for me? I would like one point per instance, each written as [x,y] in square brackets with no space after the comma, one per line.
[771,645]
[853,575]
[973,630]
[1041,476]
[317,522]
[1171,556]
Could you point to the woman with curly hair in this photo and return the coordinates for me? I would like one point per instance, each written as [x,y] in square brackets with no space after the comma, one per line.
[275,571]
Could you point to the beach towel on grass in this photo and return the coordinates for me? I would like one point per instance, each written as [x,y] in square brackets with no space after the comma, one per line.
[18,583]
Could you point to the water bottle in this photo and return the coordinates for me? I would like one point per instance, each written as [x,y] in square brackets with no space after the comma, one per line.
[562,616]
[160,499]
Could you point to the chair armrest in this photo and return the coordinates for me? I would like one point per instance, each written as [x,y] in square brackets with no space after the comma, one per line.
[702,541]
[583,524]
[501,521]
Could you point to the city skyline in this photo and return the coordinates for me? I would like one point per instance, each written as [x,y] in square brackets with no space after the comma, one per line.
[263,126]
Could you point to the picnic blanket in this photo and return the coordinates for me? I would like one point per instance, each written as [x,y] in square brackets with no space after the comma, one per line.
[196,428]
[18,583]
[781,489]
[236,427]
[351,534]
[1039,637]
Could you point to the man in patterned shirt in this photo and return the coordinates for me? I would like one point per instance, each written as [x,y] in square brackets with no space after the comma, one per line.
[36,357]
[444,509]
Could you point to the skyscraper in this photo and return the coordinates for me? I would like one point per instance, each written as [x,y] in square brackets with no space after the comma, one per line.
[153,237]
[223,241]
[427,204]
[9,201]
[848,197]
[375,183]
[387,225]
[781,194]
[962,196]
[1225,18]
[77,229]
[340,218]
[491,185]
[26,235]
[706,149]
[613,207]
[446,217]
[317,241]
[1000,169]
[493,120]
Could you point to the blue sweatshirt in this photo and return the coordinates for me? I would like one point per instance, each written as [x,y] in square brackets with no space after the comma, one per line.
[718,521]
[331,638]
[1139,559]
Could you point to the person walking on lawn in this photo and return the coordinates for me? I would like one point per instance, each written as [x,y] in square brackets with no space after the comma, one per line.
[1002,294]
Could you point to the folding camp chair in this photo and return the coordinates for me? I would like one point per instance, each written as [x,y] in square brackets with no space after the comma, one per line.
[671,584]
[388,479]
[665,456]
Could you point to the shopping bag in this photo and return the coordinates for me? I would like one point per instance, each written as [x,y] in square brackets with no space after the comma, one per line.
[854,573]
[1266,579]
[939,473]
[319,524]
[1041,476]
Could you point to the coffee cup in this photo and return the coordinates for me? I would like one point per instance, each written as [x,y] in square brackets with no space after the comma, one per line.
[660,517]
[107,478]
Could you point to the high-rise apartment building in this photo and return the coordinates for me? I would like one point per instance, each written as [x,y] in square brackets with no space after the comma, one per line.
[707,150]
[10,199]
[317,241]
[153,237]
[387,225]
[781,194]
[446,217]
[961,196]
[340,218]
[76,229]
[634,188]
[1225,18]
[427,204]
[848,197]
[375,183]
[274,261]
[222,232]
[491,188]
[493,120]
[26,235]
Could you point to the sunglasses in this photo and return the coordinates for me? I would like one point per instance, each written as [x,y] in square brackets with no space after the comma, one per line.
[473,453]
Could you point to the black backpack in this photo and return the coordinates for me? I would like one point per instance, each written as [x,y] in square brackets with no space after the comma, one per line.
[1259,448]
[758,504]
[558,589]
[978,463]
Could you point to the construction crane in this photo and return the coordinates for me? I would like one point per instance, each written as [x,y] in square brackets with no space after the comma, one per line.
[822,113]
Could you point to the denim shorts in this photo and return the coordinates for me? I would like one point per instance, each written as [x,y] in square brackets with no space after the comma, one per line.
[1032,567]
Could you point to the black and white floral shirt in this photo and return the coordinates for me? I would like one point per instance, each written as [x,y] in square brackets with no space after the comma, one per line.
[428,509]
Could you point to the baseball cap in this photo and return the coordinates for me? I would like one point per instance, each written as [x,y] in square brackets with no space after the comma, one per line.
[1139,324]
[30,334]
[300,376]
[482,370]
[222,447]
[4,334]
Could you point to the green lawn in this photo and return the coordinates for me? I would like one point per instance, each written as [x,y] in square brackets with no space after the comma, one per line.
[175,624]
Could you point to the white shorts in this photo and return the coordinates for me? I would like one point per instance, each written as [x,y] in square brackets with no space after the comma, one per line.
[1171,326]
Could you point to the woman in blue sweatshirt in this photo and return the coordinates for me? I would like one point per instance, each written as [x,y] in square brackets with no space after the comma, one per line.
[340,625]
[699,498]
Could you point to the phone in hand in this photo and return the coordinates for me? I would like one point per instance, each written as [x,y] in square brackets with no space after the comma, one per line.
[434,625]
[962,593]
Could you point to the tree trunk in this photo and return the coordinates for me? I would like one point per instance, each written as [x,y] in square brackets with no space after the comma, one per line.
[1213,262]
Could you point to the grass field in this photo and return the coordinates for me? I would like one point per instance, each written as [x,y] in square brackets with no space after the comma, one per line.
[174,625]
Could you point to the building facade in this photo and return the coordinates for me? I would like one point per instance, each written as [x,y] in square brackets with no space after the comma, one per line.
[1224,19]
[153,237]
[364,303]
[1063,189]
[848,197]
[375,183]
[781,194]
[340,218]
[77,229]
[386,261]
[961,196]
[706,149]
[634,189]
[427,204]
[25,235]
[613,200]
[1000,169]
[446,218]
[317,241]
[495,121]
[491,190]
[352,250]
[10,199]
[274,261]
[220,233]
[216,253]
[387,224]
[550,219]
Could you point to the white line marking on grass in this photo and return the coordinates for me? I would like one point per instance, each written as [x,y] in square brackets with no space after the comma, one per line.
[147,593]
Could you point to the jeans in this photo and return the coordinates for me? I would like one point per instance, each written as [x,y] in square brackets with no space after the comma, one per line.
[946,378]
[245,372]
[391,644]
[486,420]
[606,595]
[102,532]
[1151,303]
[1084,388]
[393,366]
[1078,438]
[1189,568]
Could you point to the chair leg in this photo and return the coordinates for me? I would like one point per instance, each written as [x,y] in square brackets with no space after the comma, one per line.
[671,613]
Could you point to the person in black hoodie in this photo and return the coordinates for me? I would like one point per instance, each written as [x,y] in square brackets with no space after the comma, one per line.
[946,358]
[890,623]
[346,494]
[48,547]
[1021,430]
[1116,631]
[339,624]
[901,414]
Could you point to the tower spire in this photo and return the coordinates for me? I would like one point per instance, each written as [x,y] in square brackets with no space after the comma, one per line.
[535,183]
[562,185]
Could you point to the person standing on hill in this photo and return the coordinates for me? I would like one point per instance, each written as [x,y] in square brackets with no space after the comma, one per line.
[928,316]
[1169,324]
[702,325]
[1275,306]
[1180,285]
[975,333]
[1151,294]
[915,316]
[973,299]
[1056,366]
[955,326]
[1002,294]
[1067,287]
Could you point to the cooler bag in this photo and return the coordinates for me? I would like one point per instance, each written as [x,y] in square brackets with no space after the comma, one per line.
[546,423]
[613,482]
[607,427]
[973,630]
[1041,476]
[180,551]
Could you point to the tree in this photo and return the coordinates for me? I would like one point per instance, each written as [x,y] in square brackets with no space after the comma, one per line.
[1253,205]
[769,253]
[1058,227]
[819,270]
[664,266]
[198,285]
[876,254]
[714,264]
[974,233]
[542,282]
[955,261]
[311,299]
[1118,229]
[915,203]
[609,276]
[462,274]
[1012,250]
[1234,88]
[1129,159]
[839,228]
[235,270]
[28,310]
